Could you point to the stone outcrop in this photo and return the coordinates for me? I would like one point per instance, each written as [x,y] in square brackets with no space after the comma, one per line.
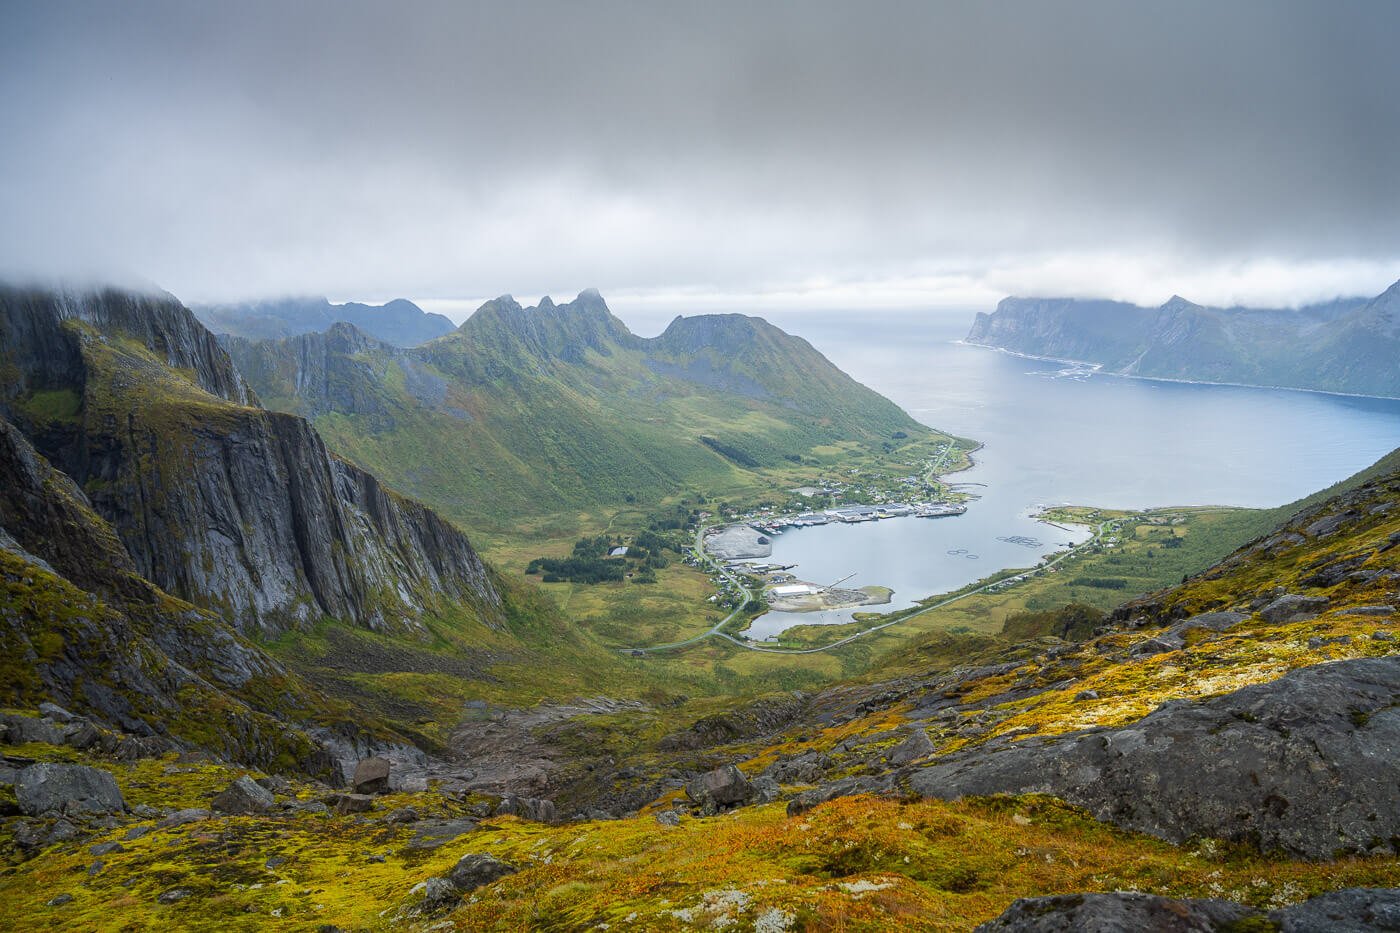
[371,776]
[722,787]
[1353,910]
[243,796]
[1302,765]
[475,869]
[67,789]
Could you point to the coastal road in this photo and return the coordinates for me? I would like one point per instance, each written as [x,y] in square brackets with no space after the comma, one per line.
[742,643]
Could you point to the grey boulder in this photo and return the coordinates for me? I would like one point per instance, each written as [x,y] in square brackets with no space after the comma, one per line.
[243,796]
[371,776]
[1290,607]
[1303,765]
[67,789]
[1174,637]
[1116,913]
[476,869]
[724,787]
[530,808]
[917,746]
[1354,910]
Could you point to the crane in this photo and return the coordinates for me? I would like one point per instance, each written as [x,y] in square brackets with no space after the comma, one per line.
[832,586]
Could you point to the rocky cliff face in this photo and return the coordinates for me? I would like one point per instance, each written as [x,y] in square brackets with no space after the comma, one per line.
[79,627]
[40,352]
[1341,345]
[232,507]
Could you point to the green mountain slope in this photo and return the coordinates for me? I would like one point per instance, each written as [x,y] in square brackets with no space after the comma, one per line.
[140,427]
[533,411]
[1347,345]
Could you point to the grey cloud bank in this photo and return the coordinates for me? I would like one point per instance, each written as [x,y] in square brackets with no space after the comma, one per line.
[726,155]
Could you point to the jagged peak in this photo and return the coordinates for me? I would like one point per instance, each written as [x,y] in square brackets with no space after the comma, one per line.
[1177,303]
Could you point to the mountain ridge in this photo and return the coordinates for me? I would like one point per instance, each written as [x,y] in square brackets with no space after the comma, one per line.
[528,411]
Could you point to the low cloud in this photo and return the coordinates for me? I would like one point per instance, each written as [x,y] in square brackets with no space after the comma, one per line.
[706,157]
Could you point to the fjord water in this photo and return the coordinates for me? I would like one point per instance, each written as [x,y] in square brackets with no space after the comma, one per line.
[1054,434]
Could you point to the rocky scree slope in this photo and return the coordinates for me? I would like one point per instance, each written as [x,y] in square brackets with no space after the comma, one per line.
[524,411]
[1347,345]
[236,509]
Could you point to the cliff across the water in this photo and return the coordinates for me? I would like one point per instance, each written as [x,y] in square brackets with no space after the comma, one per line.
[1347,345]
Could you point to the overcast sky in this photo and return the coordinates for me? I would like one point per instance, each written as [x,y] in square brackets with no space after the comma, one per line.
[706,155]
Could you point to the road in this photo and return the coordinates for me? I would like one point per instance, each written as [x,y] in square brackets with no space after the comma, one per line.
[716,633]
[723,571]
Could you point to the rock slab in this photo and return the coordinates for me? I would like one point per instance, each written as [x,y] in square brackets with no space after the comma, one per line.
[1303,765]
[67,789]
[243,796]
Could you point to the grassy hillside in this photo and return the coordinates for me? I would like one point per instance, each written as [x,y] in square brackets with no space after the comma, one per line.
[524,417]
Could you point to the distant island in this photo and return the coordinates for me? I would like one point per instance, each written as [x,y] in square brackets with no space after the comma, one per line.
[1348,345]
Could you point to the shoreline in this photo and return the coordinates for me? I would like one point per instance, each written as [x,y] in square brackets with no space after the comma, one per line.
[1045,559]
[1098,370]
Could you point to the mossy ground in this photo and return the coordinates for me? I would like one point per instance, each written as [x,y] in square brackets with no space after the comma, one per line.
[857,863]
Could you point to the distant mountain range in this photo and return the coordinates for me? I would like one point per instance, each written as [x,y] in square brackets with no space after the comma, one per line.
[399,322]
[525,411]
[1348,345]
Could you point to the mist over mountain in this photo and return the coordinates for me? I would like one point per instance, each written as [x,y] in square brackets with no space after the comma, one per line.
[399,322]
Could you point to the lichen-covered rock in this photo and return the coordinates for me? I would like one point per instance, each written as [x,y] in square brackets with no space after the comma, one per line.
[1290,607]
[244,796]
[1304,765]
[371,776]
[54,712]
[184,817]
[724,787]
[917,746]
[530,808]
[353,803]
[20,729]
[805,768]
[68,789]
[1118,912]
[476,869]
[438,895]
[1354,910]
